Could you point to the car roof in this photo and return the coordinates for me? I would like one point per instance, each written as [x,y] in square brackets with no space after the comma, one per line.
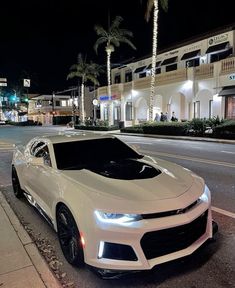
[62,137]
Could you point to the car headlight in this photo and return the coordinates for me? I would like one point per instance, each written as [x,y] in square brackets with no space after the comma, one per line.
[116,217]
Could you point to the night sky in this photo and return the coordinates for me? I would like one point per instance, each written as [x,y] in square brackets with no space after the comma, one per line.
[43,38]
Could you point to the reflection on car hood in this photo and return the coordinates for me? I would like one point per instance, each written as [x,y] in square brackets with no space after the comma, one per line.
[172,182]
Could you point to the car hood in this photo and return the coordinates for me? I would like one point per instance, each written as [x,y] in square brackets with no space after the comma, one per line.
[170,182]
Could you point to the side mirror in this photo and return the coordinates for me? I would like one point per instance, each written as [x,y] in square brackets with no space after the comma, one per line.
[36,161]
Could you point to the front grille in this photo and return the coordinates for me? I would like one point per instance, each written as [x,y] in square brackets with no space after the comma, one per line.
[163,242]
[170,213]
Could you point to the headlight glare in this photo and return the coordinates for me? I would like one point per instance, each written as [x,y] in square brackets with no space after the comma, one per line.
[116,217]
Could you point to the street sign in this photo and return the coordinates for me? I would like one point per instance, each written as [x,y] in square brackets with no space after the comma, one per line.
[26,82]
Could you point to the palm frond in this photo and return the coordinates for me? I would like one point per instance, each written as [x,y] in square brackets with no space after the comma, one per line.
[98,42]
[116,23]
[100,31]
[164,5]
[149,9]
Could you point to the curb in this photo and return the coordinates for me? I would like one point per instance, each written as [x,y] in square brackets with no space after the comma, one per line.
[44,272]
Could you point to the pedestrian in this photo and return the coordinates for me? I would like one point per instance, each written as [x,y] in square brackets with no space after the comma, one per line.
[166,117]
[157,117]
[173,118]
[162,117]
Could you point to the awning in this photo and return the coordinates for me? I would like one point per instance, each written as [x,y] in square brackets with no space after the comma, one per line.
[227,91]
[150,65]
[218,47]
[169,60]
[140,69]
[191,54]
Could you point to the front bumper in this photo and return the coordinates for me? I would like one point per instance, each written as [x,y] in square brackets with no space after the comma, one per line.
[137,245]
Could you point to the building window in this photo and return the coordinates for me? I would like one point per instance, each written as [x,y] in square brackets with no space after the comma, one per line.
[57,103]
[197,109]
[220,56]
[142,75]
[128,111]
[106,115]
[158,71]
[128,77]
[63,103]
[192,63]
[117,78]
[210,108]
[230,107]
[171,67]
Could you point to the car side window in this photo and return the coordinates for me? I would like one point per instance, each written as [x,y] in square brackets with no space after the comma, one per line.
[40,149]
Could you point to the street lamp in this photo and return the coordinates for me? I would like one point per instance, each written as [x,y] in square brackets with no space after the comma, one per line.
[53,108]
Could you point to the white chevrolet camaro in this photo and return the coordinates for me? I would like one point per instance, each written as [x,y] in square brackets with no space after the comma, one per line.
[113,208]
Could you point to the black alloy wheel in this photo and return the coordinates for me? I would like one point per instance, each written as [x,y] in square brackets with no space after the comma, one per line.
[69,237]
[16,184]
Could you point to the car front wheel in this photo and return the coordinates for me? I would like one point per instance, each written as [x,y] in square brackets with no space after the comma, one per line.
[69,237]
[16,184]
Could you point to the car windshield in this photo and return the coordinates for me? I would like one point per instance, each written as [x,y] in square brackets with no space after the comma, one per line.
[80,154]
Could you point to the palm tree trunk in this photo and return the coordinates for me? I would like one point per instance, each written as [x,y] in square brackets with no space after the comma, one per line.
[110,106]
[82,114]
[154,58]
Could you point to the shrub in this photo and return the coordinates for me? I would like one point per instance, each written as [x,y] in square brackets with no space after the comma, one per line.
[166,128]
[225,130]
[96,128]
[133,129]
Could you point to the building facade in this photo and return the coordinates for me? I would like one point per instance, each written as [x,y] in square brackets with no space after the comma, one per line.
[195,80]
[44,108]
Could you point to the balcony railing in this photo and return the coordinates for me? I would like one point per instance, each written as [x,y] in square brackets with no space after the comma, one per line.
[227,66]
[204,71]
[171,77]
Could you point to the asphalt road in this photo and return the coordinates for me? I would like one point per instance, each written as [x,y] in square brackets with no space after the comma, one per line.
[211,266]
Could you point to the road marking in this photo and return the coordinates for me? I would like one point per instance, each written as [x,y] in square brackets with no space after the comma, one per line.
[224,212]
[6,185]
[212,162]
[229,152]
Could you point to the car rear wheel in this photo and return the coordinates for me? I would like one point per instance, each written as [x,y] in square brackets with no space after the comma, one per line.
[16,184]
[69,237]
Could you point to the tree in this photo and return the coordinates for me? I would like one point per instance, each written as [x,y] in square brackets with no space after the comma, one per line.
[152,5]
[111,37]
[87,72]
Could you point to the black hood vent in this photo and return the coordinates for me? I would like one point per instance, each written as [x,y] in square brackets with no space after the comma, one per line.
[126,169]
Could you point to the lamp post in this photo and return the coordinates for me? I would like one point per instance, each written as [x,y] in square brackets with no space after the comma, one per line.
[53,108]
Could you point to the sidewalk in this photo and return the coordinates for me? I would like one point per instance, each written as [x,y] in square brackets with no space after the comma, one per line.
[21,265]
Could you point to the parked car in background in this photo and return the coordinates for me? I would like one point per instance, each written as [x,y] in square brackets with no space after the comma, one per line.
[113,208]
[2,122]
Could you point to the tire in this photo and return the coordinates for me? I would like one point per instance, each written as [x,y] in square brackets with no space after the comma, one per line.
[18,192]
[69,237]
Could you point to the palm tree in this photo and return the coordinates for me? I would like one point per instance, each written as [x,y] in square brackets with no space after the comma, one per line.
[85,71]
[153,5]
[111,37]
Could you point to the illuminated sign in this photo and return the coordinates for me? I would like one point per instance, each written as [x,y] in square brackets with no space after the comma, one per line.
[231,77]
[113,97]
[218,39]
[104,98]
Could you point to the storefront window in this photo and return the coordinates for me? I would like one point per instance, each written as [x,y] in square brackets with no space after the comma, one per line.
[230,107]
[128,111]
[210,108]
[197,109]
